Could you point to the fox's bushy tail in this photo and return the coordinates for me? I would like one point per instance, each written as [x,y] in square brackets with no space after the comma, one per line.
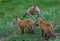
[52,31]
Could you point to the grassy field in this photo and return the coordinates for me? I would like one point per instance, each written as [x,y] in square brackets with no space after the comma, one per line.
[50,12]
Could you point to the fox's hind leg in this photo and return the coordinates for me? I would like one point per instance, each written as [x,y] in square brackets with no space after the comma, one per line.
[47,36]
[30,29]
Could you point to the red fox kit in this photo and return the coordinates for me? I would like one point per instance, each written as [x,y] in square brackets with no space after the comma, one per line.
[46,29]
[22,24]
[31,11]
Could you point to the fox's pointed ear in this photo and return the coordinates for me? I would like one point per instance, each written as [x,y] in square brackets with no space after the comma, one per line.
[16,17]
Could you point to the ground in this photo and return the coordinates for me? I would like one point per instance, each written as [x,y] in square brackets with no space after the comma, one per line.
[49,12]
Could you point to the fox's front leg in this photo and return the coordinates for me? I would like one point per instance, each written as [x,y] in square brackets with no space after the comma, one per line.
[22,31]
[24,15]
[42,33]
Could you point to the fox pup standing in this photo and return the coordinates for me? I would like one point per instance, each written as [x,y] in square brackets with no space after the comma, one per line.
[46,29]
[31,11]
[22,24]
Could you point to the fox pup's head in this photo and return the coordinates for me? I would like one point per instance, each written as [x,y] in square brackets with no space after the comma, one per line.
[16,19]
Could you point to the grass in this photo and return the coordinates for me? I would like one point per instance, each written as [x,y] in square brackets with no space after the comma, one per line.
[50,12]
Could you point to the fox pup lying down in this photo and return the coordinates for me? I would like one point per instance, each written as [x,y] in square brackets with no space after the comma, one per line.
[46,29]
[22,24]
[31,11]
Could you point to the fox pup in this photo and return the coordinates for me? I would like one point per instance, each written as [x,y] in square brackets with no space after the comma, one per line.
[46,28]
[22,24]
[31,11]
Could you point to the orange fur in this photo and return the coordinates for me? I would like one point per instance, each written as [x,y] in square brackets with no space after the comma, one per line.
[46,28]
[22,24]
[31,11]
